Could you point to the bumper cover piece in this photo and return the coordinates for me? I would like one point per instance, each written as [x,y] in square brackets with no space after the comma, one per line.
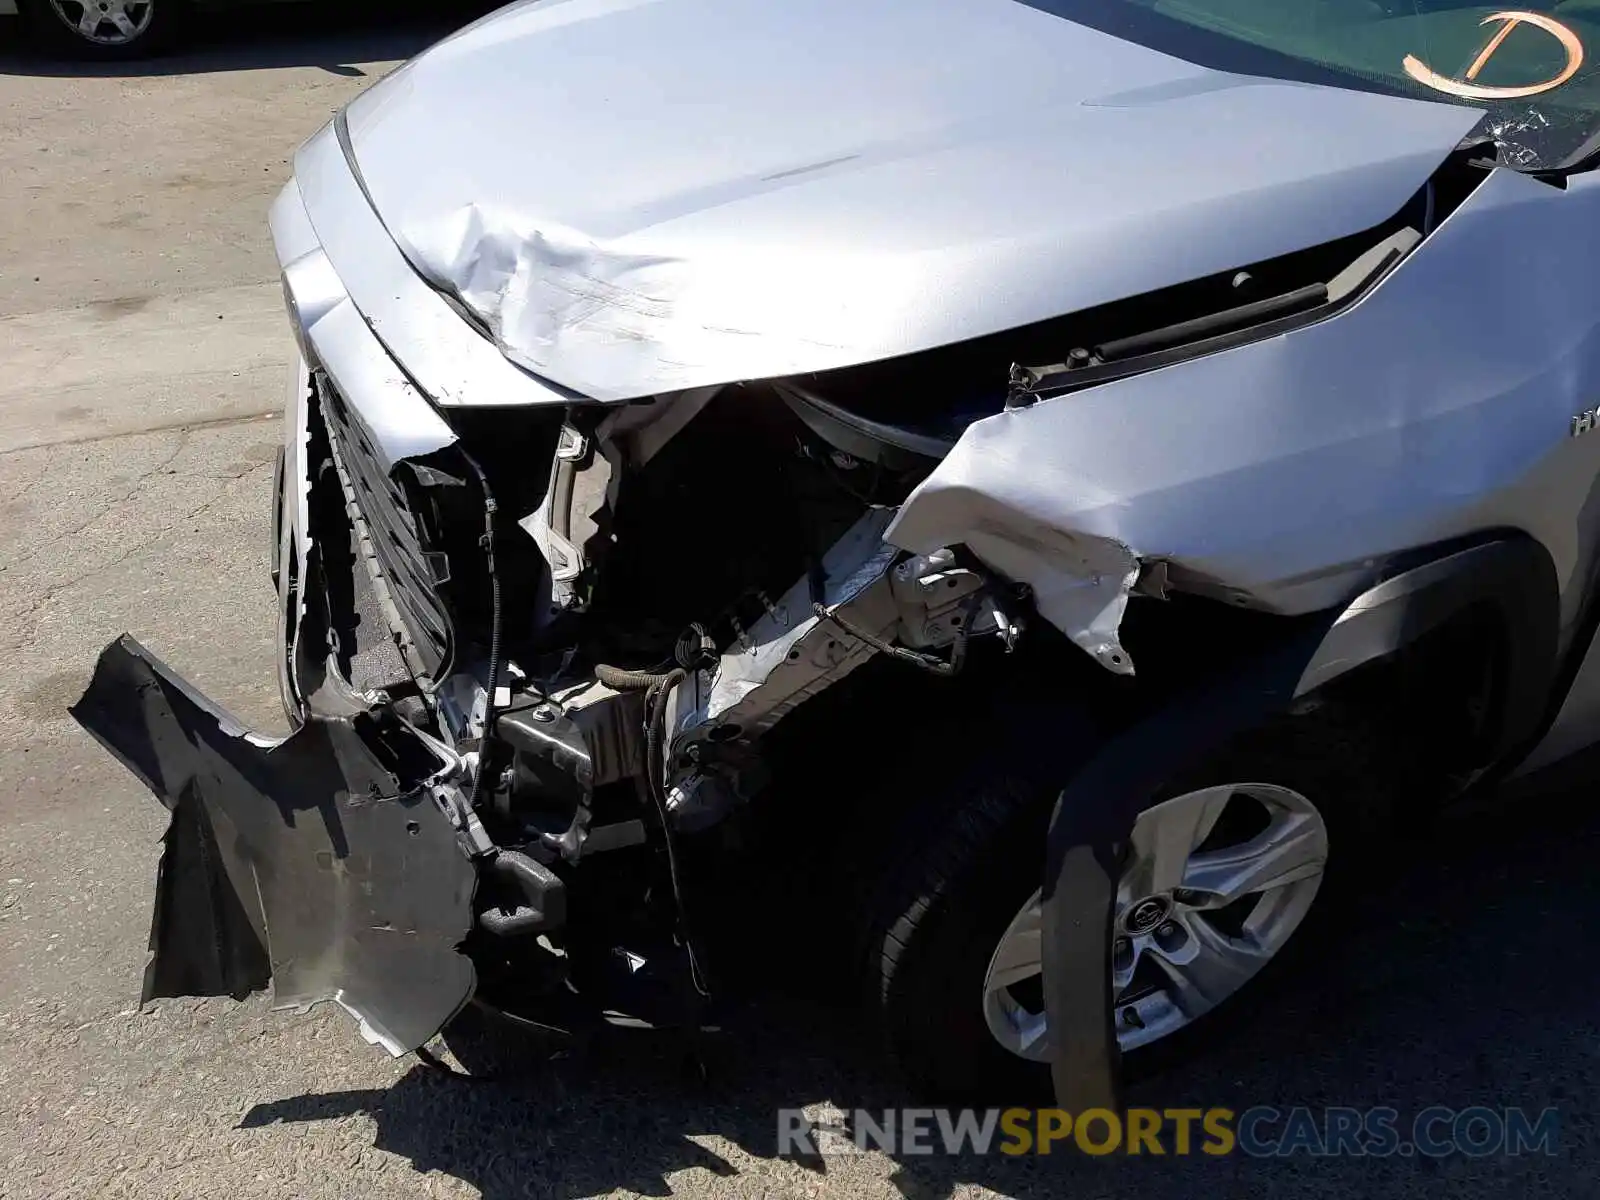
[317,861]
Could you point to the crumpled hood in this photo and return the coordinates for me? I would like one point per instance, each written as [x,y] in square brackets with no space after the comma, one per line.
[639,196]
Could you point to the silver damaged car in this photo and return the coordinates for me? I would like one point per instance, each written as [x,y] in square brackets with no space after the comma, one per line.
[1007,506]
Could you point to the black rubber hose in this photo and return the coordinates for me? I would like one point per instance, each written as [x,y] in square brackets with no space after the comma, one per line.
[621,680]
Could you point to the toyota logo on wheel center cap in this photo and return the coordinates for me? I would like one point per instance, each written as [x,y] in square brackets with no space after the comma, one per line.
[1147,914]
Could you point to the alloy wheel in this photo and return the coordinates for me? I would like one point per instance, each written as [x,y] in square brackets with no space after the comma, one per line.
[106,22]
[1215,883]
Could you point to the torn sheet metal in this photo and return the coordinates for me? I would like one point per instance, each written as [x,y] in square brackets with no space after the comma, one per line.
[584,480]
[924,605]
[1283,474]
[1080,583]
[397,422]
[318,861]
[789,654]
[814,186]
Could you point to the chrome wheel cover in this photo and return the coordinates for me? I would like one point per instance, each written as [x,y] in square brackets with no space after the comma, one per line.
[1216,882]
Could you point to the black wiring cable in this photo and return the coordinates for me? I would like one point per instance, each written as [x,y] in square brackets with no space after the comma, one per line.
[655,738]
[927,662]
[493,674]
[658,689]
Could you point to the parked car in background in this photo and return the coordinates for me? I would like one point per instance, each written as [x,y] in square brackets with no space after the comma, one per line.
[100,30]
[983,431]
[129,30]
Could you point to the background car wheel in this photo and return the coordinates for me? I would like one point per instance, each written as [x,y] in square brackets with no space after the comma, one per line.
[104,30]
[1232,868]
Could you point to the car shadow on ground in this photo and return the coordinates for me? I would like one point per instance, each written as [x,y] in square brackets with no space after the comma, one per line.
[334,37]
[1466,981]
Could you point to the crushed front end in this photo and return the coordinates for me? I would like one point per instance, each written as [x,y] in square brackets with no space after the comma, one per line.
[572,520]
[524,650]
[500,672]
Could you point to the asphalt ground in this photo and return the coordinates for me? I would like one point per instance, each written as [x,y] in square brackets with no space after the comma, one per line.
[142,351]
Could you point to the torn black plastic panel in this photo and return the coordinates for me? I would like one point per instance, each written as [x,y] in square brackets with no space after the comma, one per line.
[317,861]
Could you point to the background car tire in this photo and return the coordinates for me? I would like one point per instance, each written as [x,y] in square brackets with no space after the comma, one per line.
[932,932]
[52,33]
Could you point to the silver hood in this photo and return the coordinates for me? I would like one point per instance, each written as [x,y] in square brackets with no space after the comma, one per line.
[638,196]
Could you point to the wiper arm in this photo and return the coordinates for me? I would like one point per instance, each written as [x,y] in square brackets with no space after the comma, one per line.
[1212,324]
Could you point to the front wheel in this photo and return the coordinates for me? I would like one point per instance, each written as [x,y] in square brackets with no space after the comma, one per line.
[104,30]
[1225,866]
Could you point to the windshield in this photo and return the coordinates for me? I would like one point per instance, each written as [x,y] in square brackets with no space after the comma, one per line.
[1535,69]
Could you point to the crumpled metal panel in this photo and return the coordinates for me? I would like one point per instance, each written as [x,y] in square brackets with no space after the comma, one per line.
[1282,474]
[790,654]
[316,860]
[641,197]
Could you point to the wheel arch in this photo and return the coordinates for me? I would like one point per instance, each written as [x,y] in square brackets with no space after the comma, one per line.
[1510,579]
[1508,575]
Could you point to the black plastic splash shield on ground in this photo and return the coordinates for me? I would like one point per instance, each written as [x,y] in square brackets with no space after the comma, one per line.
[317,861]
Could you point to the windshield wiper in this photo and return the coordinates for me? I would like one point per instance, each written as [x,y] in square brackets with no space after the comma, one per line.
[1212,332]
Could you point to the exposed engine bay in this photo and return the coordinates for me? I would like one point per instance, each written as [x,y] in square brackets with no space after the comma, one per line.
[611,646]
[563,633]
[559,675]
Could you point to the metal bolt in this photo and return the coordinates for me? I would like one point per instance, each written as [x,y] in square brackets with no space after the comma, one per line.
[1168,929]
[544,713]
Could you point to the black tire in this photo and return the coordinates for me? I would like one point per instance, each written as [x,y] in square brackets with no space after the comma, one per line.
[52,34]
[939,918]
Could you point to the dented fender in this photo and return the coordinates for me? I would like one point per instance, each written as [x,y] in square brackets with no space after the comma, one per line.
[1287,475]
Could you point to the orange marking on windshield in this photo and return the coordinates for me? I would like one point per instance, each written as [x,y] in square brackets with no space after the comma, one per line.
[1508,21]
[1482,60]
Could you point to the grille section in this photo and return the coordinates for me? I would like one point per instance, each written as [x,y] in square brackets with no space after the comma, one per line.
[405,575]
